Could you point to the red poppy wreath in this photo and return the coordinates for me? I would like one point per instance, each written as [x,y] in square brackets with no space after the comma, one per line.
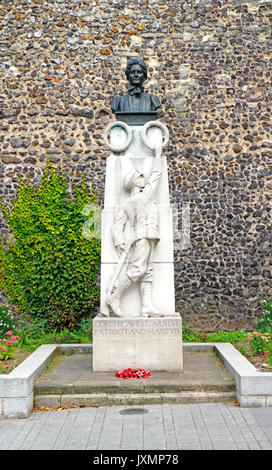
[133,373]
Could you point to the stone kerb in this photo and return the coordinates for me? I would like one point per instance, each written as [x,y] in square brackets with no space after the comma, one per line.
[253,388]
[16,389]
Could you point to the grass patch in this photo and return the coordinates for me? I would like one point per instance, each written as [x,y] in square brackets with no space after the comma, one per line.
[232,337]
[194,336]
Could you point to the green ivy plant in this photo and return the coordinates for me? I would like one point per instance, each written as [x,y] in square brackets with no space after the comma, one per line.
[49,271]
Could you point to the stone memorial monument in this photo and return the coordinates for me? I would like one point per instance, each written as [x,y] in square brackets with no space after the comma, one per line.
[137,325]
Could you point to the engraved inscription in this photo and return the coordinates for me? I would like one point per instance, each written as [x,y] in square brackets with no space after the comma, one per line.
[141,327]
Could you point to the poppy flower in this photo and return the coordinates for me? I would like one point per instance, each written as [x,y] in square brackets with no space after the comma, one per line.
[133,373]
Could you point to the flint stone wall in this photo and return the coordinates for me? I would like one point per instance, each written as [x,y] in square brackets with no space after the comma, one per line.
[61,64]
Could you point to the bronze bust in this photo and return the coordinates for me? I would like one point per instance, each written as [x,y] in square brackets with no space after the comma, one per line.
[136,100]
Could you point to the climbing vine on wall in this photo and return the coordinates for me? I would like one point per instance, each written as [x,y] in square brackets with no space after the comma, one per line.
[48,269]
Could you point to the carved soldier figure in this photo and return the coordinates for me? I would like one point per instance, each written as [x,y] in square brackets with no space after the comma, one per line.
[141,211]
[136,100]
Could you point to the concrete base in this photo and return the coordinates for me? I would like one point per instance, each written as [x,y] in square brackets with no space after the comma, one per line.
[148,343]
[253,388]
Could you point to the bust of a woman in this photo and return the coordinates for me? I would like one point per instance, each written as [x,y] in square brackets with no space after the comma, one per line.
[136,100]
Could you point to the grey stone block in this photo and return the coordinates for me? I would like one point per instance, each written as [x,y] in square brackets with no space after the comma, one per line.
[18,407]
[258,383]
[16,389]
[251,400]
[134,399]
[47,401]
[269,400]
[96,399]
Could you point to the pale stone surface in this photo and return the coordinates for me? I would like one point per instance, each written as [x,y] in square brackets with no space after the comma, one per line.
[164,249]
[131,303]
[48,401]
[137,156]
[18,407]
[151,343]
[160,426]
[13,387]
[84,399]
[251,400]
[269,401]
[19,383]
[16,389]
[258,383]
[36,362]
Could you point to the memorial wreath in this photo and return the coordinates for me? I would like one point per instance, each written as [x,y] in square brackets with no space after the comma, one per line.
[133,373]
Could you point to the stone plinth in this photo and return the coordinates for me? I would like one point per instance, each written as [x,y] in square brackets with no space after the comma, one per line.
[148,343]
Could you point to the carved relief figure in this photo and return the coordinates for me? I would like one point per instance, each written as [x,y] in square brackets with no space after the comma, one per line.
[136,100]
[141,212]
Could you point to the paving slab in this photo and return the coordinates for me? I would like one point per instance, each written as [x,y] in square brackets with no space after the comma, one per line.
[208,426]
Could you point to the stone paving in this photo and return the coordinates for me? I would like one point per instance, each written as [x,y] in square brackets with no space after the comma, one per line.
[69,380]
[73,373]
[217,426]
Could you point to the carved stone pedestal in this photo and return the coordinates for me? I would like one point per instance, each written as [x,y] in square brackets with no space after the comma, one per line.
[151,343]
[137,269]
[118,165]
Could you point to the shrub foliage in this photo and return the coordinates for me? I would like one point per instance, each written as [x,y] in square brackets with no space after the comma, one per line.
[49,270]
[6,322]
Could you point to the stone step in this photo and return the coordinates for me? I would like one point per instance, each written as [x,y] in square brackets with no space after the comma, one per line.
[69,381]
[133,386]
[104,399]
